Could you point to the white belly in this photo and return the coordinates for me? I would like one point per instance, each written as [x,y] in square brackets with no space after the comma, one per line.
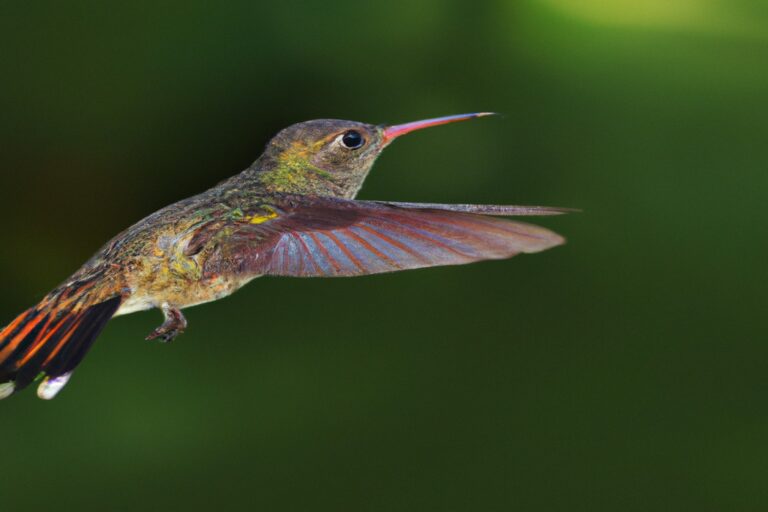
[135,304]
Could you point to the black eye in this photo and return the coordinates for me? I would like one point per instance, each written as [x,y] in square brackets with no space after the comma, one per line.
[352,140]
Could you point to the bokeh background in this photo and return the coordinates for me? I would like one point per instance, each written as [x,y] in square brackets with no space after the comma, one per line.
[624,371]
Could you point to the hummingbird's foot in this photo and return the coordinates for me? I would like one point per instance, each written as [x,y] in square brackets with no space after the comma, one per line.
[174,324]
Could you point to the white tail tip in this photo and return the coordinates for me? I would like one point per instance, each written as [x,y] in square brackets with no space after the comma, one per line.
[7,389]
[49,388]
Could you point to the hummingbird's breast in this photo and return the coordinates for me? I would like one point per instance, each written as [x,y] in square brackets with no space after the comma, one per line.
[162,258]
[164,267]
[180,295]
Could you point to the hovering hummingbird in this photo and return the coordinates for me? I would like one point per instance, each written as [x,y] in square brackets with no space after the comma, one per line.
[291,213]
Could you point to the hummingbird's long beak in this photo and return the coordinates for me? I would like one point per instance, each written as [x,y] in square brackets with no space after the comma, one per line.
[392,132]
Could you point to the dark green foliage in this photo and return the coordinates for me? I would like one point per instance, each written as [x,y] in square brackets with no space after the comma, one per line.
[623,371]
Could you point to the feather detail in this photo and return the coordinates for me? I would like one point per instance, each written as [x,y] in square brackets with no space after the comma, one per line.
[330,237]
[51,339]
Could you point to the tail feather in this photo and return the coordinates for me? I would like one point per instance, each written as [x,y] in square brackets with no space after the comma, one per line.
[50,340]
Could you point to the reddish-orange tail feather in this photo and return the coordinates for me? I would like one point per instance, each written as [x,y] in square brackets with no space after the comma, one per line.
[50,339]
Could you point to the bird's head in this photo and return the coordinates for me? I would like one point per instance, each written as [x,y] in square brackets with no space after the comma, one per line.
[331,157]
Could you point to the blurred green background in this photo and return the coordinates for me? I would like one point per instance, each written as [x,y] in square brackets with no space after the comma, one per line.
[624,371]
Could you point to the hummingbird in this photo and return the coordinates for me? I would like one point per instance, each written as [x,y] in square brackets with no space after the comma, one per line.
[291,213]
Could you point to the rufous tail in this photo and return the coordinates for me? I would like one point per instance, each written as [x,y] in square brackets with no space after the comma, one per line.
[49,340]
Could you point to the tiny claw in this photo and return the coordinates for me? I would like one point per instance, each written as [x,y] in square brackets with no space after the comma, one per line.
[174,324]
[165,335]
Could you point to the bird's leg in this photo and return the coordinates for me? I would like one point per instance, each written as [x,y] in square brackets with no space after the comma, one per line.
[174,324]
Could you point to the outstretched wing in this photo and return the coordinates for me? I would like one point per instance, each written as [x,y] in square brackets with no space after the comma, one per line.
[330,237]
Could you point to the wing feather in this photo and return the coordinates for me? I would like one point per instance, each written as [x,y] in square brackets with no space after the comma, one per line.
[327,237]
